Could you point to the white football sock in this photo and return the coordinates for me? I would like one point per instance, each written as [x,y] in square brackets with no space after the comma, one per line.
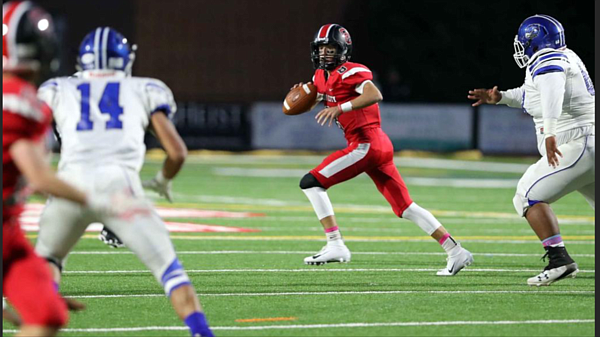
[320,201]
[422,217]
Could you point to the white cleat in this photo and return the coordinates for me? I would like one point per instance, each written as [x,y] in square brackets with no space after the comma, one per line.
[329,253]
[456,263]
[549,276]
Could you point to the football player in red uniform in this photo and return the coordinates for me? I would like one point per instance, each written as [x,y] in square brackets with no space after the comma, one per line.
[351,102]
[28,54]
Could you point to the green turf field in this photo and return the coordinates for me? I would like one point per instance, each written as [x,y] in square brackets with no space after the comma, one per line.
[389,288]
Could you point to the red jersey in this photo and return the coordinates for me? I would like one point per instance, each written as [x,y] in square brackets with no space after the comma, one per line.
[344,84]
[23,117]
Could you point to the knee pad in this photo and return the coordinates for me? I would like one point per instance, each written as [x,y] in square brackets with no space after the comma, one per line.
[309,181]
[520,204]
[523,204]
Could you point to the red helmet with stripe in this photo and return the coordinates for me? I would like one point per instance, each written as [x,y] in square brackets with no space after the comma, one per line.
[28,39]
[334,35]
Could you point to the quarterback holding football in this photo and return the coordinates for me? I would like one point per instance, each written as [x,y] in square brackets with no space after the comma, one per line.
[351,99]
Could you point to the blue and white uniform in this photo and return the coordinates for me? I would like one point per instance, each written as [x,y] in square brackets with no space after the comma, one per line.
[559,94]
[101,117]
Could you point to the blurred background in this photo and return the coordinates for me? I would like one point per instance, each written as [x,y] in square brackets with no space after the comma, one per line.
[230,63]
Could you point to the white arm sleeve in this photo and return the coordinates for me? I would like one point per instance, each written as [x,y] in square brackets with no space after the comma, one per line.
[552,93]
[513,97]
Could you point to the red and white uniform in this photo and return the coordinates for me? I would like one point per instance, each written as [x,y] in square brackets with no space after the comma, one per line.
[27,281]
[369,148]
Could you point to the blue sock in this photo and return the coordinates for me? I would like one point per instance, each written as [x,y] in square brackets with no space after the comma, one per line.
[198,325]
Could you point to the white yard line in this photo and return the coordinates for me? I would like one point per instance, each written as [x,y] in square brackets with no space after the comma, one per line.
[270,252]
[400,222]
[383,292]
[329,326]
[308,270]
[401,229]
[353,239]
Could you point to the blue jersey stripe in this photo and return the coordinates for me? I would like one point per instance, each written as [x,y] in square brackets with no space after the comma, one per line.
[165,108]
[546,57]
[49,83]
[547,69]
[155,86]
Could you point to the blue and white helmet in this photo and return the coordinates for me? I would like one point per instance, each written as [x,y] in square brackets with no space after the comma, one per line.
[105,48]
[535,33]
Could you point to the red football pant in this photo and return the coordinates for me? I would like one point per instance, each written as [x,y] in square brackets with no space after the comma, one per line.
[28,282]
[372,153]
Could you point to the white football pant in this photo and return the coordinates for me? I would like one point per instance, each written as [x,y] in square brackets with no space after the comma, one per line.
[576,172]
[63,222]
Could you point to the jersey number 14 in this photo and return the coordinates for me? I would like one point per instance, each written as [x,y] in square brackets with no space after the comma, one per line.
[109,104]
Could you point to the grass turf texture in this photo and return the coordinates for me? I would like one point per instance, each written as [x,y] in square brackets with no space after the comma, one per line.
[270,262]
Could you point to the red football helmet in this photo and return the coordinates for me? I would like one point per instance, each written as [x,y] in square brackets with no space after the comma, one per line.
[28,39]
[331,34]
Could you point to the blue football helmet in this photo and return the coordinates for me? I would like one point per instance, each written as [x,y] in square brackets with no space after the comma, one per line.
[535,33]
[105,48]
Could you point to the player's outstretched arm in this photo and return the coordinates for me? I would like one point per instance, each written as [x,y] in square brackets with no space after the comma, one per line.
[29,158]
[485,96]
[370,96]
[176,150]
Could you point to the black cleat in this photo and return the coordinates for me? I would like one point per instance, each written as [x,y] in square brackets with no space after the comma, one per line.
[110,238]
[560,266]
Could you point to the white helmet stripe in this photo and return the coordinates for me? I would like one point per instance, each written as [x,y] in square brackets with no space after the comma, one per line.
[328,29]
[97,48]
[326,33]
[557,24]
[12,30]
[105,48]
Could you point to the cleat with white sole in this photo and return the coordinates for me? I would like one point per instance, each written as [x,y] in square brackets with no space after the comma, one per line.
[328,254]
[547,277]
[560,266]
[456,263]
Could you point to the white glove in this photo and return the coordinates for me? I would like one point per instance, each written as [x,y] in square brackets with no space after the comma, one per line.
[161,185]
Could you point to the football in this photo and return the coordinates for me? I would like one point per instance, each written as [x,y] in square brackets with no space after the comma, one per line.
[300,100]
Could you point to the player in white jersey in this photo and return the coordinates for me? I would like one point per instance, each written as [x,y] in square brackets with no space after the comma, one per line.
[560,96]
[101,116]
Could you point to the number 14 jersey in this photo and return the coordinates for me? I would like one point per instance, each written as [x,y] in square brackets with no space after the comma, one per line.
[101,116]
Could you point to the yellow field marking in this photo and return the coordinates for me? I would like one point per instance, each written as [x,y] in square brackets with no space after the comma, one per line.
[351,238]
[366,210]
[272,319]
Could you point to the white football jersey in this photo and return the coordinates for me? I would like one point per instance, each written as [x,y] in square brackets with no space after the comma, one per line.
[570,94]
[102,116]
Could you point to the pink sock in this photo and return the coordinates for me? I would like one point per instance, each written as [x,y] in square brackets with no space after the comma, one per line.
[448,242]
